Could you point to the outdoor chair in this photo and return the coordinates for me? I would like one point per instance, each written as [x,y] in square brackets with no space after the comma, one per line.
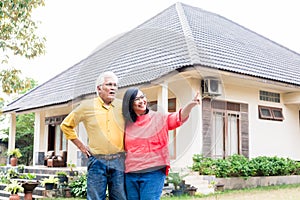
[48,155]
[58,160]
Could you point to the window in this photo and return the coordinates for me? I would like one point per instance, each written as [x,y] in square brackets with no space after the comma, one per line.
[225,128]
[54,120]
[269,96]
[270,113]
[225,135]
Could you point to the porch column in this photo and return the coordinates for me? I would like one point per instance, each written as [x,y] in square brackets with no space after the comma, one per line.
[162,98]
[12,133]
[38,140]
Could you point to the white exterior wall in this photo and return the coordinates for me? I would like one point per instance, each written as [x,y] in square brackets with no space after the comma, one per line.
[72,149]
[189,135]
[268,137]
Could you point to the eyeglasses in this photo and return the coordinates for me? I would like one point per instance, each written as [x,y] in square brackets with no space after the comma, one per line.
[140,98]
[111,84]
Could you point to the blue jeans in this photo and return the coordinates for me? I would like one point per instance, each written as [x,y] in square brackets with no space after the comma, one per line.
[103,174]
[145,186]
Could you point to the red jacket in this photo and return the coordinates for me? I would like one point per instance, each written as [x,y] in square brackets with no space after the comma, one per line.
[146,141]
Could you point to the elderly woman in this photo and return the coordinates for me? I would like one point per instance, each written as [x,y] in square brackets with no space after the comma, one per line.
[146,143]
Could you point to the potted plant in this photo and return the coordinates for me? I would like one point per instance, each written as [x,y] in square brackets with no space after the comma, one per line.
[14,155]
[21,168]
[177,180]
[62,177]
[12,173]
[191,190]
[29,186]
[49,182]
[72,166]
[27,176]
[14,188]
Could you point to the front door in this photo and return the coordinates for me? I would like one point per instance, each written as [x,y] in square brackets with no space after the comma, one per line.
[56,139]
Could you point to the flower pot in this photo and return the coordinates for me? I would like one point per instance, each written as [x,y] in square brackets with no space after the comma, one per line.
[68,193]
[49,186]
[28,189]
[219,187]
[73,173]
[63,180]
[13,161]
[14,197]
[177,192]
[191,190]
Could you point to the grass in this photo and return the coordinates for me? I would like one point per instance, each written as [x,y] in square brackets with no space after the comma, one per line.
[225,193]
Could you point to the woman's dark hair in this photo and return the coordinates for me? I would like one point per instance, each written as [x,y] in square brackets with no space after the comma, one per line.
[127,107]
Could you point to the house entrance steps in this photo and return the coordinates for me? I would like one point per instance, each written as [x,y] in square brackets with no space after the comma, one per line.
[204,184]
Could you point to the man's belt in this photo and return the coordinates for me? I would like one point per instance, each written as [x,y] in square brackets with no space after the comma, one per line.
[109,156]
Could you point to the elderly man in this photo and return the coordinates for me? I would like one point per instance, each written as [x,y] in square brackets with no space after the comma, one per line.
[104,124]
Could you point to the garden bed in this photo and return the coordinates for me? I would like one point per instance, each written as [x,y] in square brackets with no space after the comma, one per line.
[252,182]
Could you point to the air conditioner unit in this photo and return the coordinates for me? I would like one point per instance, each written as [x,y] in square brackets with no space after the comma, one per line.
[211,87]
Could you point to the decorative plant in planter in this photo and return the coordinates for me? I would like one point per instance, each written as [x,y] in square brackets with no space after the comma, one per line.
[29,176]
[21,168]
[4,178]
[29,184]
[12,173]
[62,177]
[49,182]
[14,155]
[72,166]
[177,180]
[191,190]
[14,188]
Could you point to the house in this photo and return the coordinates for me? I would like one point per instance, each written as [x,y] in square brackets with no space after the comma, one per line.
[250,87]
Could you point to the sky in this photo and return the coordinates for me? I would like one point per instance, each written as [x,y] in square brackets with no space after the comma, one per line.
[74,28]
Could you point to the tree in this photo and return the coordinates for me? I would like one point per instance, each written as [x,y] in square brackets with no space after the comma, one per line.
[24,132]
[12,83]
[18,34]
[18,37]
[24,137]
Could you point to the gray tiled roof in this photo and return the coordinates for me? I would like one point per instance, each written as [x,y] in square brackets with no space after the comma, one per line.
[179,36]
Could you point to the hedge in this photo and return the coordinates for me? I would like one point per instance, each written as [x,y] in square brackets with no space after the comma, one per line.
[240,166]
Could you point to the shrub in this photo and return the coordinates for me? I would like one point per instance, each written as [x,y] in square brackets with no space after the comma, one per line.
[240,166]
[205,166]
[79,186]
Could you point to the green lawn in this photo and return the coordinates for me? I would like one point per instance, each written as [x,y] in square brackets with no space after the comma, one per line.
[280,192]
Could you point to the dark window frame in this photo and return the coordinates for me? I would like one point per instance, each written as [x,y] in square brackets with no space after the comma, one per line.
[271,115]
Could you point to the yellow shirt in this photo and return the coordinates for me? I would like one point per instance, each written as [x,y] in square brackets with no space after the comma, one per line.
[104,126]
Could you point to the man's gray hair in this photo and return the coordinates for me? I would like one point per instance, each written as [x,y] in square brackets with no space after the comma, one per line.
[103,75]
